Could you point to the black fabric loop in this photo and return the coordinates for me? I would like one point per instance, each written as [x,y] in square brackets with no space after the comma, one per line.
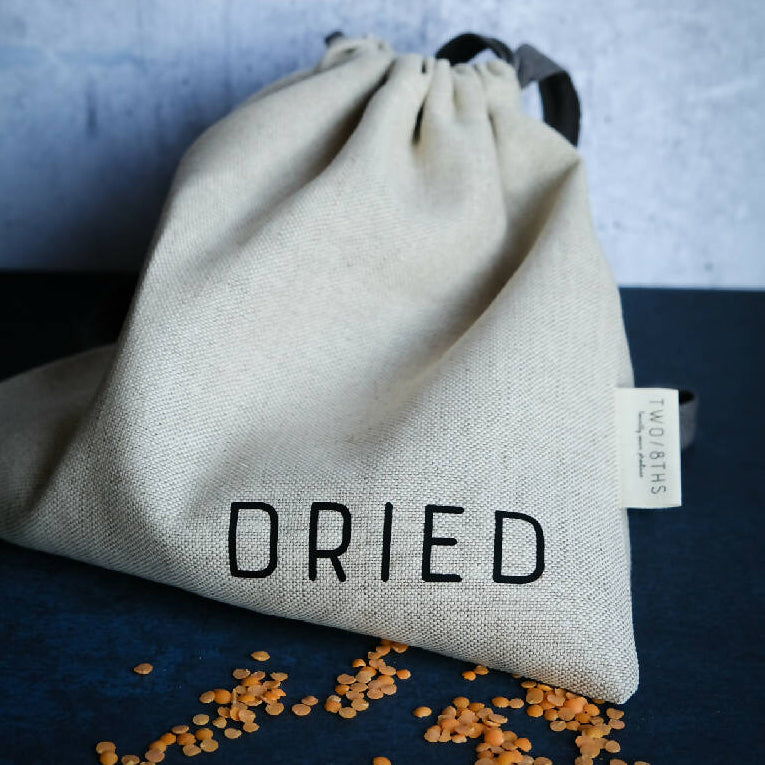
[560,102]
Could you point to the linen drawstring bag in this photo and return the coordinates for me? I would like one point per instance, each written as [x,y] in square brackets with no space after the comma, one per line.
[367,376]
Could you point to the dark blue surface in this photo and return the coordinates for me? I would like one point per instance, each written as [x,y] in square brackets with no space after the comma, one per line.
[71,633]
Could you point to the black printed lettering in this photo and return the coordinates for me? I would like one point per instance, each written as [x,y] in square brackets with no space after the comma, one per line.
[313,539]
[429,541]
[499,519]
[387,528]
[273,518]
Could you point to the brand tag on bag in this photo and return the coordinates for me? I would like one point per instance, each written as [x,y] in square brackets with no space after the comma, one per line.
[648,444]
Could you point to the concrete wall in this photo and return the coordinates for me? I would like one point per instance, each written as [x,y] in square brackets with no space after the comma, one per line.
[99,99]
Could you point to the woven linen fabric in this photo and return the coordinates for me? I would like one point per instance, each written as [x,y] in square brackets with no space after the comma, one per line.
[375,284]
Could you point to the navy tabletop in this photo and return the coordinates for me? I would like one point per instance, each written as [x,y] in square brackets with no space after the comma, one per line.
[72,634]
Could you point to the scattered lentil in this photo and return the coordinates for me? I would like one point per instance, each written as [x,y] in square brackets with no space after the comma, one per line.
[260,655]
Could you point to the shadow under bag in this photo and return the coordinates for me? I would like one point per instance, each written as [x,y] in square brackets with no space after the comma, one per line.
[367,378]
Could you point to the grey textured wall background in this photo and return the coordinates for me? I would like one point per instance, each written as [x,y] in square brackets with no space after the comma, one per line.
[98,100]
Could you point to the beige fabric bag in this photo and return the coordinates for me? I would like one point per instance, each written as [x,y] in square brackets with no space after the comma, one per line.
[367,380]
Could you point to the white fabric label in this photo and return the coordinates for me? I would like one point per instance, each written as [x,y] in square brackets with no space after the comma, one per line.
[648,442]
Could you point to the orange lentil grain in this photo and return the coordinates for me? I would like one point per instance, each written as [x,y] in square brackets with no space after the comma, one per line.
[422,712]
[461,702]
[301,710]
[108,758]
[274,709]
[432,734]
[347,712]
[200,719]
[105,746]
[468,674]
[232,733]
[191,750]
[510,758]
[515,703]
[184,739]
[534,710]
[250,727]
[310,700]
[203,733]
[260,655]
[222,696]
[143,668]
[534,696]
[557,726]
[479,669]
[380,761]
[507,758]
[209,745]
[493,736]
[219,722]
[154,755]
[130,759]
[403,674]
[500,702]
